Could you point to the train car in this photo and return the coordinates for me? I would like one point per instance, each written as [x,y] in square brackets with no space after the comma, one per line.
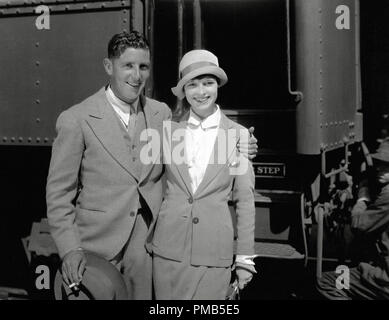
[294,74]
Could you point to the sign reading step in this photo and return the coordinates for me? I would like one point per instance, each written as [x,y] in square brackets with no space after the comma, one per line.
[269,170]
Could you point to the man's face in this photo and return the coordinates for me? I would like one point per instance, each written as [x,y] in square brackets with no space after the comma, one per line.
[129,73]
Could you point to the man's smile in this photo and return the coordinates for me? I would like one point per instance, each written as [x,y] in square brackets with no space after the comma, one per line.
[136,86]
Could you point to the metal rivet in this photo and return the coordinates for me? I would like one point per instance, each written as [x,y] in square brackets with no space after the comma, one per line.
[37,63]
[13,139]
[67,7]
[29,139]
[46,139]
[20,139]
[38,139]
[85,6]
[125,11]
[17,11]
[5,139]
[103,5]
[36,44]
[37,101]
[37,82]
[124,20]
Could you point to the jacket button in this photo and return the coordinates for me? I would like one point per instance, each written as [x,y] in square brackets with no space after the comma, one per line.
[195,220]
[132,213]
[190,200]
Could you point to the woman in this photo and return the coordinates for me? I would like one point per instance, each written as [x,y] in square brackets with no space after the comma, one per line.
[194,237]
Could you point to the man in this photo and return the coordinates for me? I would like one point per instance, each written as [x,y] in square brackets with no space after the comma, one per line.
[370,220]
[100,196]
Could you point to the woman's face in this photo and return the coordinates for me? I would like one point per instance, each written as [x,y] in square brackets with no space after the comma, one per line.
[201,94]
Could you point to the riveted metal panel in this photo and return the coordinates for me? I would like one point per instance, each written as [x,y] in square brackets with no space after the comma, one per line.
[337,99]
[46,71]
[327,74]
[16,8]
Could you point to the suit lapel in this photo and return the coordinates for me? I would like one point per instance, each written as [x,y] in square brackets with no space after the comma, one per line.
[178,144]
[222,151]
[104,123]
[152,122]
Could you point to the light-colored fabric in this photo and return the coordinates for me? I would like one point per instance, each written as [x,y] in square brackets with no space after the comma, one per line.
[135,144]
[92,192]
[206,211]
[200,136]
[127,112]
[175,280]
[246,259]
[122,108]
[195,63]
[135,263]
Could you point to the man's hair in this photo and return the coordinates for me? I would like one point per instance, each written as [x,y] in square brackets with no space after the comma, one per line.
[121,41]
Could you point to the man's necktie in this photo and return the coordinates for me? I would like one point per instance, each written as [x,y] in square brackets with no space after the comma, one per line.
[132,122]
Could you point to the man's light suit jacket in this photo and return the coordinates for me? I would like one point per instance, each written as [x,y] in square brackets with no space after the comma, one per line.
[92,191]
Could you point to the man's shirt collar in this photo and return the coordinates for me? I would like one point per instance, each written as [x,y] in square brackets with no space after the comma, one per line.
[122,105]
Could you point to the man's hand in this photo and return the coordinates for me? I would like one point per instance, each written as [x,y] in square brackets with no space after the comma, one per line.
[359,207]
[244,277]
[73,266]
[249,148]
